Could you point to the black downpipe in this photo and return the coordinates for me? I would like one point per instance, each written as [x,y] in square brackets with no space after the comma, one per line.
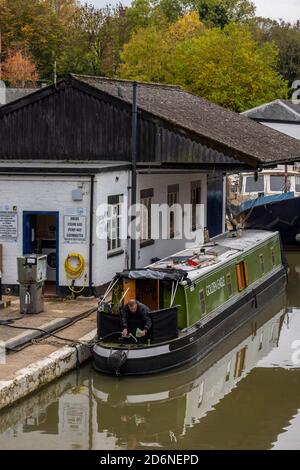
[134,145]
[91,289]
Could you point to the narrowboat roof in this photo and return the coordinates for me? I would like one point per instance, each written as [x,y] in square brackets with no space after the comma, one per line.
[202,259]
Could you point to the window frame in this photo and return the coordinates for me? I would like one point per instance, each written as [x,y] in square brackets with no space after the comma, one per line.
[202,302]
[114,201]
[260,177]
[172,199]
[196,194]
[228,277]
[146,201]
[273,257]
[262,264]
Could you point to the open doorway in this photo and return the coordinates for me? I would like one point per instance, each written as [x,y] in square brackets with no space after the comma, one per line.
[40,235]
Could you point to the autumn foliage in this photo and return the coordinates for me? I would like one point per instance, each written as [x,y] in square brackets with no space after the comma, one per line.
[19,70]
[217,49]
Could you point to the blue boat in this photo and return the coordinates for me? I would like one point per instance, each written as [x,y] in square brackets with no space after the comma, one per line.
[269,201]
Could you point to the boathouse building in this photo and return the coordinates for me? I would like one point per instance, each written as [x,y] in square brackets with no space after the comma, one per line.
[70,147]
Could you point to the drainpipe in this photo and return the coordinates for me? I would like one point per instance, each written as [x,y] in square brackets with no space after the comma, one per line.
[133,172]
[91,236]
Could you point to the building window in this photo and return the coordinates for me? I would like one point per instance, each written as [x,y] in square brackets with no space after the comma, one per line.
[297,184]
[262,263]
[173,198]
[114,223]
[242,275]
[146,204]
[195,201]
[202,302]
[229,285]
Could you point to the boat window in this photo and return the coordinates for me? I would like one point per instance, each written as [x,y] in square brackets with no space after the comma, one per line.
[228,369]
[253,186]
[202,302]
[240,362]
[280,183]
[273,257]
[262,263]
[242,275]
[201,393]
[229,285]
[261,341]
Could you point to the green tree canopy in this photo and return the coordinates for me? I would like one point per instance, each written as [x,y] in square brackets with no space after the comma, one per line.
[225,66]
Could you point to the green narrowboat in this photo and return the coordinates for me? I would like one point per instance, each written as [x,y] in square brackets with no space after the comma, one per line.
[196,297]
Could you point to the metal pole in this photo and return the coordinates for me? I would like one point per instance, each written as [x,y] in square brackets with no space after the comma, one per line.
[0,54]
[91,288]
[134,145]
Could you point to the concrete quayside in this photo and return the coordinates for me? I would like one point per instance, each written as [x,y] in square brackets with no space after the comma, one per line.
[41,348]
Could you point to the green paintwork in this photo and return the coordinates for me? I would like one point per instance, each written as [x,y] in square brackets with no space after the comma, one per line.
[192,314]
[214,284]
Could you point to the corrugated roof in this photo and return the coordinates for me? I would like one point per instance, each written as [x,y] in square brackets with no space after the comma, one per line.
[238,134]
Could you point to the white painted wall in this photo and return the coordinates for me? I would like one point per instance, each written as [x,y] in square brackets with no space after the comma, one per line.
[293,130]
[108,184]
[53,194]
[160,183]
[38,193]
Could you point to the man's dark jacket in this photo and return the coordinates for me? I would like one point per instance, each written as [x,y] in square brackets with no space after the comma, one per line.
[142,314]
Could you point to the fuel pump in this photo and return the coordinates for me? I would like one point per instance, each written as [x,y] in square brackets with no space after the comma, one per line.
[32,271]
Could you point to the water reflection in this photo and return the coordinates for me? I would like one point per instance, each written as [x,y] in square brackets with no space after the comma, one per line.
[160,413]
[243,395]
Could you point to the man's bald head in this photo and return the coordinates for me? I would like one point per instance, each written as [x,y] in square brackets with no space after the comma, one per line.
[132,305]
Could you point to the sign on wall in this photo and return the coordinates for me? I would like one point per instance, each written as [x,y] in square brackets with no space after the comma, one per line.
[8,226]
[75,225]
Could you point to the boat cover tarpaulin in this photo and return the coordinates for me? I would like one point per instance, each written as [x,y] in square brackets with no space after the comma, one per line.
[155,274]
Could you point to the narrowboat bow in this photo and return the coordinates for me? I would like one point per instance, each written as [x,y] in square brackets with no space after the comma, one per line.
[197,297]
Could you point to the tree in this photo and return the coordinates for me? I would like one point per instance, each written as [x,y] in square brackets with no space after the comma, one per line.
[147,56]
[19,70]
[95,40]
[33,27]
[222,12]
[225,66]
[287,39]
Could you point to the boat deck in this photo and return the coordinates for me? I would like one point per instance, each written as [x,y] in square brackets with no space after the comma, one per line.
[204,258]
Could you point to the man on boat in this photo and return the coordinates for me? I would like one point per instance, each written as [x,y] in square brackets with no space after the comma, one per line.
[135,315]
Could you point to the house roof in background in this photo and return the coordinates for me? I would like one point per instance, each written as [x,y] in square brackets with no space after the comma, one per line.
[13,94]
[276,111]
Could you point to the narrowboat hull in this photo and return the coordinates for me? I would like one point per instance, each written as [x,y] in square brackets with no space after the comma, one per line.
[281,216]
[198,341]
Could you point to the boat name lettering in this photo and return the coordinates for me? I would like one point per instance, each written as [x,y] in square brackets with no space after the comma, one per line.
[214,286]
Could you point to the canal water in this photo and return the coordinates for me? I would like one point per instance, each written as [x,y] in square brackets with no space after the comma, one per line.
[245,395]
